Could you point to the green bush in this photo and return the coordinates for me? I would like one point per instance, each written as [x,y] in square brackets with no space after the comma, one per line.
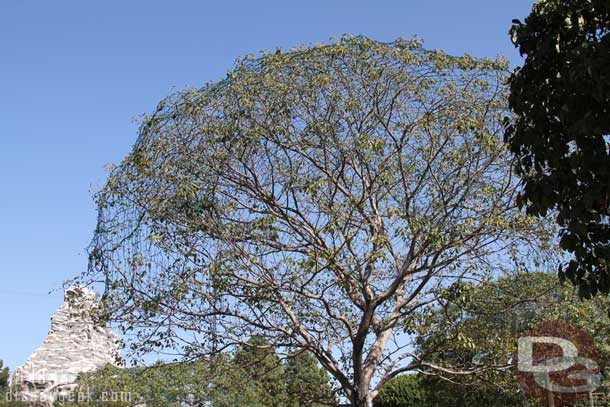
[402,391]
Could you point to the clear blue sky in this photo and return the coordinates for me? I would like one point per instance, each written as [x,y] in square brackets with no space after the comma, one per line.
[73,74]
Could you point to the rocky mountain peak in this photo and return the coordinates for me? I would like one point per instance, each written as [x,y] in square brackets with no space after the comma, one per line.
[76,343]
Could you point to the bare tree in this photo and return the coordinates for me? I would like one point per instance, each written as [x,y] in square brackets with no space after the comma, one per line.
[320,199]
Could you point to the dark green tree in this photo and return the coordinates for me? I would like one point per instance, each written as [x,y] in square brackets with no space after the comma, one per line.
[560,129]
[217,383]
[307,384]
[260,367]
[4,377]
[404,391]
[416,390]
[159,385]
[254,376]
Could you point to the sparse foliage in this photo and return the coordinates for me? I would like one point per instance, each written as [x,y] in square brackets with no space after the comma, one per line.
[319,199]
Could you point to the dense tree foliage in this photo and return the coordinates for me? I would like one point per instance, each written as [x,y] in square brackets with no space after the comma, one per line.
[257,377]
[4,377]
[254,376]
[160,385]
[307,384]
[480,323]
[260,368]
[416,390]
[318,199]
[404,391]
[560,131]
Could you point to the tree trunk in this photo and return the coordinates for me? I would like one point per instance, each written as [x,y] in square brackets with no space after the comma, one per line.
[360,403]
[361,400]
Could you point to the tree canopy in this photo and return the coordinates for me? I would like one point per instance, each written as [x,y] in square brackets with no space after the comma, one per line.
[403,391]
[482,322]
[560,129]
[253,376]
[477,323]
[307,385]
[319,199]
